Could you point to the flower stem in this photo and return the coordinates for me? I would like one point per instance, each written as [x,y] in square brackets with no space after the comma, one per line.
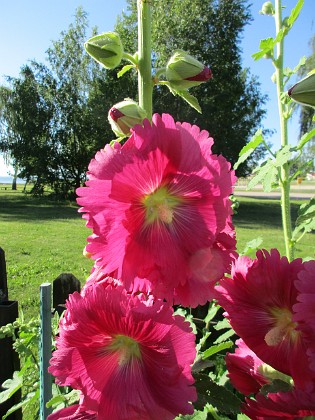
[145,84]
[285,176]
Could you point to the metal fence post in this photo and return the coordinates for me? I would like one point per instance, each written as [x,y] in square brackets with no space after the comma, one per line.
[45,349]
[9,360]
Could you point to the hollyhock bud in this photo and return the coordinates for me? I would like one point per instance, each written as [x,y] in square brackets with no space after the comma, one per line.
[184,71]
[267,9]
[304,91]
[125,115]
[106,49]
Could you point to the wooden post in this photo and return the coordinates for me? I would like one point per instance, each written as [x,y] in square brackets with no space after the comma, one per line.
[45,349]
[3,278]
[63,286]
[9,360]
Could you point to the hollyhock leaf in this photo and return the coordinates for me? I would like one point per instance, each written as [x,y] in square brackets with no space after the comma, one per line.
[216,349]
[283,156]
[252,246]
[275,386]
[11,386]
[225,336]
[261,172]
[190,99]
[219,396]
[295,12]
[306,212]
[265,46]
[270,180]
[198,415]
[201,365]
[305,139]
[248,149]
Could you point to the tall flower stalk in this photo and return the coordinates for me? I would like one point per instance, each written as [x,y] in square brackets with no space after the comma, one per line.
[284,173]
[145,84]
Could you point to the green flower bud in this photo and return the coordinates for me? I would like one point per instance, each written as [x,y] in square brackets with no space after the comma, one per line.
[303,92]
[267,9]
[183,71]
[106,49]
[125,115]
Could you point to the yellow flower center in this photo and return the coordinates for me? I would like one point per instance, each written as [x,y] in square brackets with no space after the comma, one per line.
[127,347]
[284,327]
[160,206]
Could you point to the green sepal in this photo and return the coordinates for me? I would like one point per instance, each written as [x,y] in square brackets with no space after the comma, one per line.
[125,69]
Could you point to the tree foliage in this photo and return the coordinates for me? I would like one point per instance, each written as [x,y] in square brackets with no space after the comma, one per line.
[53,116]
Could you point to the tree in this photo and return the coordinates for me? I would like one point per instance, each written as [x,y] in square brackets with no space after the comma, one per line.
[210,31]
[25,120]
[55,119]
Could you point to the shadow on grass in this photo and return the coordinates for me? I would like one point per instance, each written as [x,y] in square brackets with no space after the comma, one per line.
[252,212]
[260,212]
[19,206]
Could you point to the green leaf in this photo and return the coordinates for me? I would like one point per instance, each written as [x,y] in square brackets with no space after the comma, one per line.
[266,169]
[56,400]
[270,180]
[216,349]
[265,46]
[248,149]
[190,99]
[252,245]
[221,325]
[11,386]
[193,102]
[283,156]
[306,214]
[295,12]
[124,70]
[305,138]
[30,398]
[225,336]
[198,415]
[218,396]
[277,385]
[212,311]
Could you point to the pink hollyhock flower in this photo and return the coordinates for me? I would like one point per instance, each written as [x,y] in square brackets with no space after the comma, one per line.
[245,369]
[160,210]
[259,301]
[75,412]
[130,357]
[305,308]
[295,404]
[97,276]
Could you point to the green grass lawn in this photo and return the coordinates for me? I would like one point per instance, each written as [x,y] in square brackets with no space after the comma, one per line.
[43,238]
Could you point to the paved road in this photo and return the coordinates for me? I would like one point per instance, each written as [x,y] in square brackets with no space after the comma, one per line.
[308,191]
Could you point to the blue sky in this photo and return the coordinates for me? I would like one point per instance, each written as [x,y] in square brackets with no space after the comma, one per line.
[28,27]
